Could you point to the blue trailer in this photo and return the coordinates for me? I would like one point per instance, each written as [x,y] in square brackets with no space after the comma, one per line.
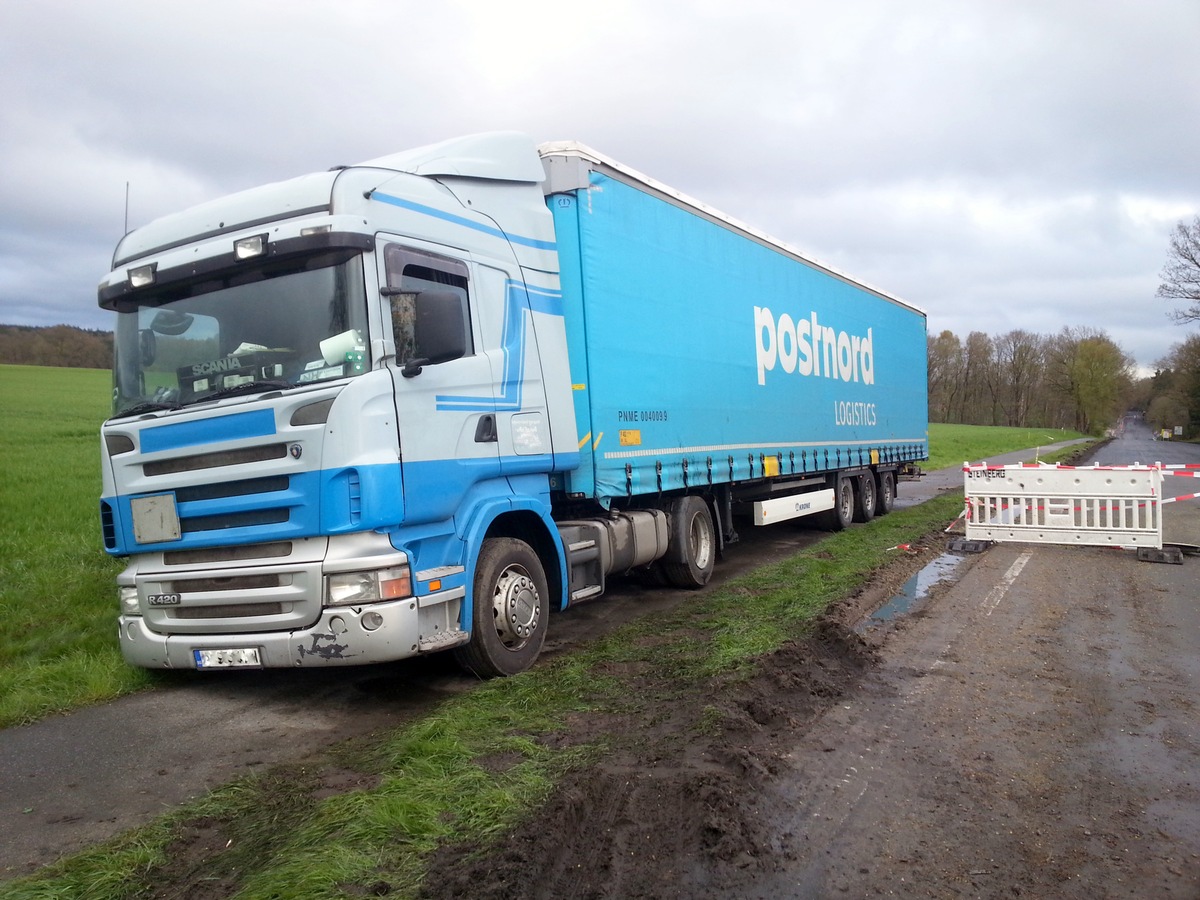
[413,404]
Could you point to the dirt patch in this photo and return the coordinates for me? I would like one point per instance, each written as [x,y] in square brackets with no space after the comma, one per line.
[209,855]
[1030,733]
[673,812]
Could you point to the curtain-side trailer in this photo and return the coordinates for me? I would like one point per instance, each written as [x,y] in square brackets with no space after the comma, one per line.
[414,404]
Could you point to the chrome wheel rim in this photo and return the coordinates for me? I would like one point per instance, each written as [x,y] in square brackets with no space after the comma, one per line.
[516,607]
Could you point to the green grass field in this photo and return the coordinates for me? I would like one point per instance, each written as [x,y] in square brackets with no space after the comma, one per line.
[952,445]
[58,649]
[57,590]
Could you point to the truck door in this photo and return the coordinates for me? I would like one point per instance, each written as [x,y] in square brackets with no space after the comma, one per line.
[446,447]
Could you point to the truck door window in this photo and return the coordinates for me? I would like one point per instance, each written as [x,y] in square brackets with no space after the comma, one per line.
[411,271]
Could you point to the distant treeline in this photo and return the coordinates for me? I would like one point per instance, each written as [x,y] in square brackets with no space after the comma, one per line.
[1078,378]
[64,346]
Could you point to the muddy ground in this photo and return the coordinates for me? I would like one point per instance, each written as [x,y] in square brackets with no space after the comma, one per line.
[1030,732]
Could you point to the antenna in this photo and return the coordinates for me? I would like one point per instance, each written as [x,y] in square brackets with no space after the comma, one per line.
[126,208]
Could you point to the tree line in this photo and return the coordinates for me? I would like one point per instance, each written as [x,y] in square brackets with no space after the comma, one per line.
[58,345]
[1171,397]
[1078,379]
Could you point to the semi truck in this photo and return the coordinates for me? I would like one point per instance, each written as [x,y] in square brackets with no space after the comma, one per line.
[417,404]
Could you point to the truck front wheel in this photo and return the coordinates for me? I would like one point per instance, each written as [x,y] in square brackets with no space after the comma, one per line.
[510,609]
[692,547]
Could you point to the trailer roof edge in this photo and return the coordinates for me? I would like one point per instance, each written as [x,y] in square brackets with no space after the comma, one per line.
[610,166]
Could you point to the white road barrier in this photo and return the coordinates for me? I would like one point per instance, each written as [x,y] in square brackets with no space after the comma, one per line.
[1116,506]
[1190,471]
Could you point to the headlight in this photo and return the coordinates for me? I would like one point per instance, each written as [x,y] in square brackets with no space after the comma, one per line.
[352,588]
[128,597]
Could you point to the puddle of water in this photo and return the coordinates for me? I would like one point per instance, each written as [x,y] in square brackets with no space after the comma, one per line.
[914,591]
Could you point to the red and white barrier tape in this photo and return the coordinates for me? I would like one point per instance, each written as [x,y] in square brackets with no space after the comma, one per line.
[1180,497]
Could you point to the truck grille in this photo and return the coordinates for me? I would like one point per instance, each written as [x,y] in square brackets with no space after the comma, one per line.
[235,553]
[223,489]
[242,611]
[193,524]
[215,460]
[236,583]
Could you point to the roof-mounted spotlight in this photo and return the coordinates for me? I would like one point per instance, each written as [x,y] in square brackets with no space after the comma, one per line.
[141,276]
[250,247]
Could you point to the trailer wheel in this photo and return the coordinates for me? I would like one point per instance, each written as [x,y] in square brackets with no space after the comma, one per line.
[885,497]
[842,514]
[692,547]
[511,605]
[864,498]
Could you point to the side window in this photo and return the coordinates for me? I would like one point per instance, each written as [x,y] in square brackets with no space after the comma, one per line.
[409,272]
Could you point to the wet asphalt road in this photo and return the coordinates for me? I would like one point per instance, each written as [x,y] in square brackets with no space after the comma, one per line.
[1032,731]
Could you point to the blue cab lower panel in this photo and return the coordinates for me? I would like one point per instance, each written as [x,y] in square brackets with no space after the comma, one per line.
[253,510]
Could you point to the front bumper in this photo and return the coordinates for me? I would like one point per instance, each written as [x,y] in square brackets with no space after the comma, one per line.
[339,638]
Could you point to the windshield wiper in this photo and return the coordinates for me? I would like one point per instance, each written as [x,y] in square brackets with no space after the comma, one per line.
[249,387]
[148,406]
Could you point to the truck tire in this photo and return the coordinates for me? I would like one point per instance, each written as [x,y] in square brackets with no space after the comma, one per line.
[864,498]
[885,496]
[510,609]
[692,546]
[842,514]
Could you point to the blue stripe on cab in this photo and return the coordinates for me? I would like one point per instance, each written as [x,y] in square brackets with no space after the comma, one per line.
[260,423]
[461,220]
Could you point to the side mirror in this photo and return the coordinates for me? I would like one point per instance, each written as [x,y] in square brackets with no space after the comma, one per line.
[439,329]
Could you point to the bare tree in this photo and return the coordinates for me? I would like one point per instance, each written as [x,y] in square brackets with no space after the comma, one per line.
[945,363]
[1020,361]
[1181,273]
[978,405]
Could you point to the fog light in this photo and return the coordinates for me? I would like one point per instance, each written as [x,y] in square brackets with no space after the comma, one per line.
[127,595]
[371,621]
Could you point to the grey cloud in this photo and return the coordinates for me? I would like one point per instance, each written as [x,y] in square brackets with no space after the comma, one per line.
[1001,165]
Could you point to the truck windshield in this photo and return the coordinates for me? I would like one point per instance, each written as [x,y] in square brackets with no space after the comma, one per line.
[267,326]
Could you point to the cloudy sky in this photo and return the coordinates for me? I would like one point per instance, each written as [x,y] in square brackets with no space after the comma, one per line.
[1001,164]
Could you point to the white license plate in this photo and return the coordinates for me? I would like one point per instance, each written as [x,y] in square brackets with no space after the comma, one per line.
[228,658]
